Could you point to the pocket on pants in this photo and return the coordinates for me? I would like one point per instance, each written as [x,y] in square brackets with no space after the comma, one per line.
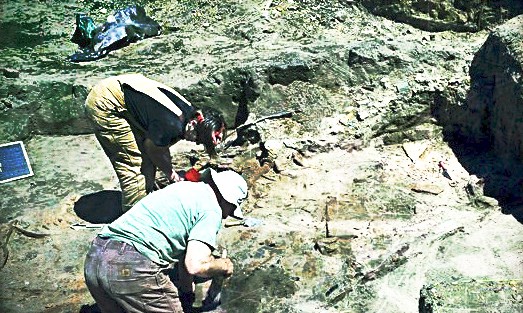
[125,280]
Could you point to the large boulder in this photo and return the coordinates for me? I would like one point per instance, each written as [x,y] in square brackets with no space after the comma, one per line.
[495,101]
[442,15]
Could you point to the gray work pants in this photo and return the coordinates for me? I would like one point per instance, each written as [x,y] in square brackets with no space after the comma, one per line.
[121,279]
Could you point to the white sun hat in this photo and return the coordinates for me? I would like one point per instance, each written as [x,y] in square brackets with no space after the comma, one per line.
[232,187]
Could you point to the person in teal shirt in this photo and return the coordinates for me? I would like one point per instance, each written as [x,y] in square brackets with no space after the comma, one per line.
[128,265]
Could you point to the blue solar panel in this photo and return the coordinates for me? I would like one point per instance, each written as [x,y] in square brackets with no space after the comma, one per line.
[14,163]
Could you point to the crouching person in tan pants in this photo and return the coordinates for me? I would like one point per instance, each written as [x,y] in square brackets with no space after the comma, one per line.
[136,120]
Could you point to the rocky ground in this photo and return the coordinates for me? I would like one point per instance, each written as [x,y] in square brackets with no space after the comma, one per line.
[357,213]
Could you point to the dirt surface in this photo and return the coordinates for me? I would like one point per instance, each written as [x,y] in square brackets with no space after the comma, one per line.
[364,205]
[443,235]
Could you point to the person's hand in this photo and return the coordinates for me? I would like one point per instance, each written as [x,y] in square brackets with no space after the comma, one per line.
[174,177]
[228,267]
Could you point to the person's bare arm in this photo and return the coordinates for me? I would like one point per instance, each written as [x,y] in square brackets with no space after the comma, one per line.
[161,157]
[200,262]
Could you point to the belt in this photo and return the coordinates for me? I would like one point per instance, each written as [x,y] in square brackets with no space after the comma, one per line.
[113,244]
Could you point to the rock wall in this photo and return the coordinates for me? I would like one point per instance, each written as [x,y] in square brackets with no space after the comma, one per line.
[494,104]
[44,95]
[442,15]
[41,93]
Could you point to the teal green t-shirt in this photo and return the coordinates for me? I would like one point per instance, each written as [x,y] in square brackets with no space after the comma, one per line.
[160,225]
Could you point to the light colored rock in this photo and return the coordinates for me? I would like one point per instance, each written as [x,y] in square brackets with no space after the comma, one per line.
[415,150]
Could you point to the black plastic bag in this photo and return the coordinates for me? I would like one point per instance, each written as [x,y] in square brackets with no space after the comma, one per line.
[84,31]
[123,27]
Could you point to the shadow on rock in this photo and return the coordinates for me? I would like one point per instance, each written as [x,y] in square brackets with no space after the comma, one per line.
[515,209]
[92,308]
[100,207]
[502,179]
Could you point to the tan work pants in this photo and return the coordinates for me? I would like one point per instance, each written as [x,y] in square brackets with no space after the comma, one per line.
[121,140]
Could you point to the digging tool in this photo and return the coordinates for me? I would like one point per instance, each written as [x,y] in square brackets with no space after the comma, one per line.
[247,222]
[444,170]
[241,128]
[213,298]
[282,114]
[78,226]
